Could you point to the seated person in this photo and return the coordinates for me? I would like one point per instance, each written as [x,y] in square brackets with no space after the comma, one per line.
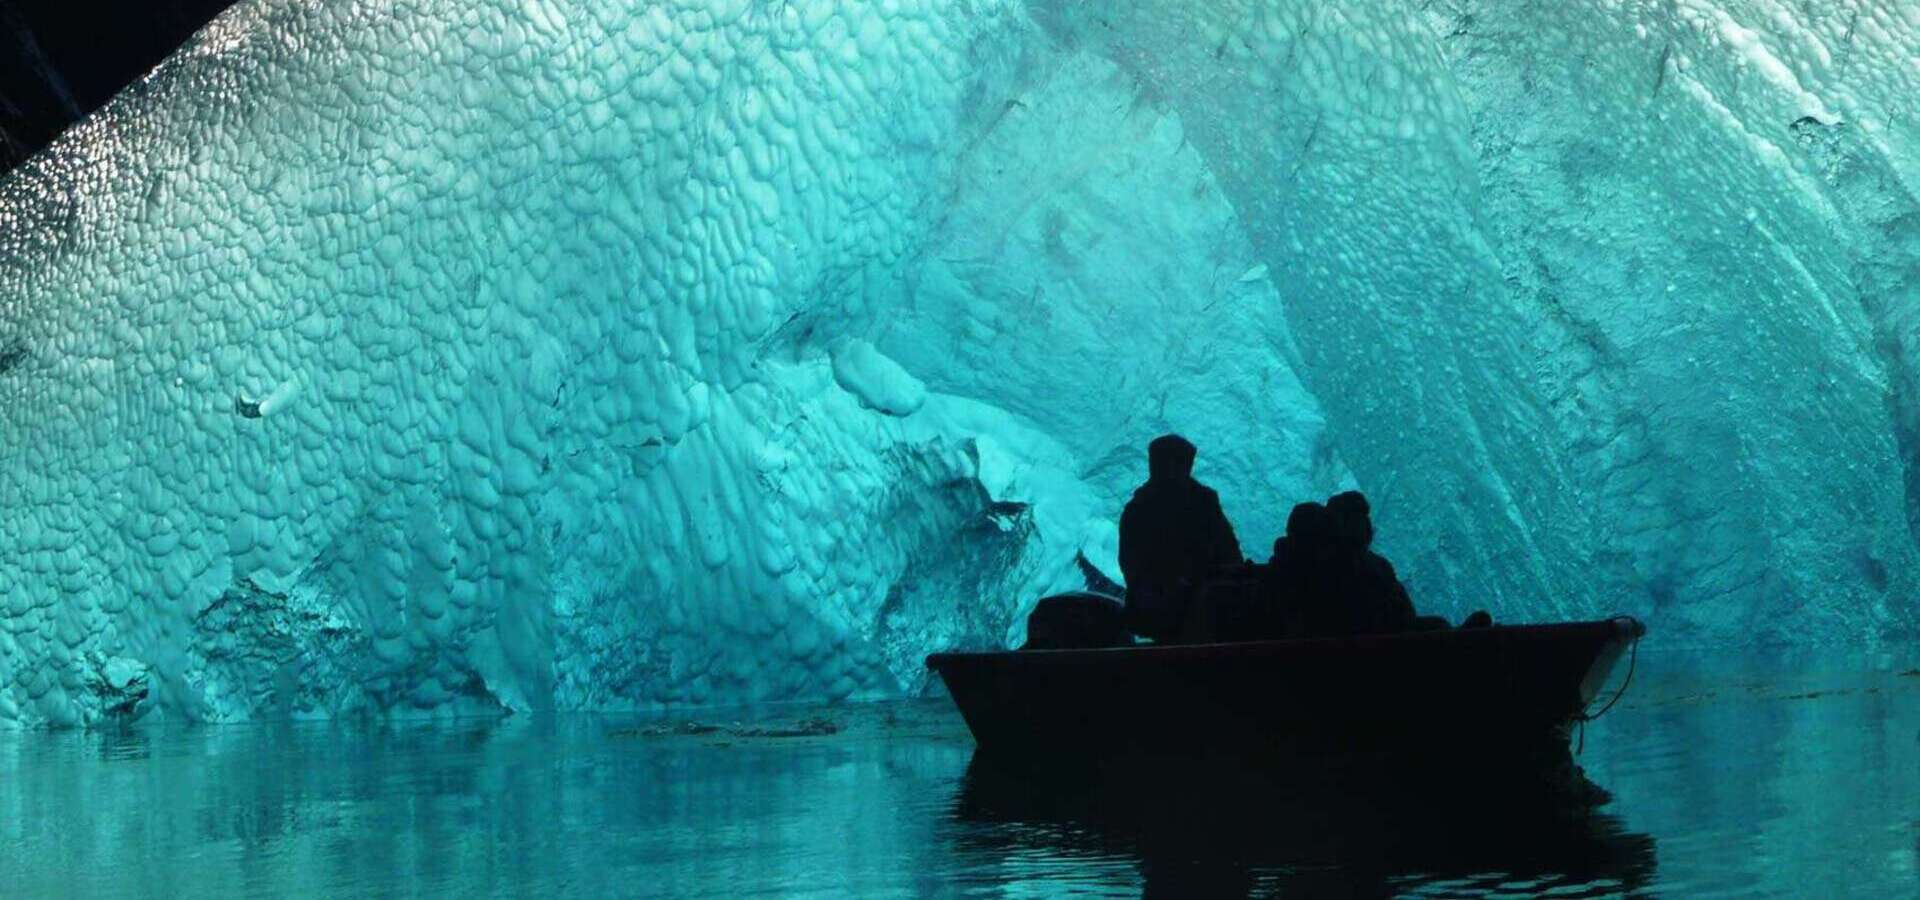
[1380,604]
[1173,536]
[1377,603]
[1295,590]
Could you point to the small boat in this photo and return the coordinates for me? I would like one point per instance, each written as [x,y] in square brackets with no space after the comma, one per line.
[1460,692]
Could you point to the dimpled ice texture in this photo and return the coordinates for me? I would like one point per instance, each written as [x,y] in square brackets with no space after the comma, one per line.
[449,356]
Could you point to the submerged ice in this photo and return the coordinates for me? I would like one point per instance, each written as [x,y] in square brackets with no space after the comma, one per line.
[456,356]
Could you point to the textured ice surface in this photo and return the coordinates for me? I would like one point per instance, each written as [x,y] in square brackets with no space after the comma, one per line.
[445,355]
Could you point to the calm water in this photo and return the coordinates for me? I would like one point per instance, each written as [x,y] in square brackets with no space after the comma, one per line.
[1731,779]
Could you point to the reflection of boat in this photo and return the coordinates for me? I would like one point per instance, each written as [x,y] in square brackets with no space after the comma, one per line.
[1326,828]
[1459,690]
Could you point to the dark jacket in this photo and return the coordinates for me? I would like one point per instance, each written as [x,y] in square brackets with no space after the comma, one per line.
[1380,602]
[1319,589]
[1305,589]
[1173,535]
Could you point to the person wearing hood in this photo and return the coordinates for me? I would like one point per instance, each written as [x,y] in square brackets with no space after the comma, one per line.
[1173,537]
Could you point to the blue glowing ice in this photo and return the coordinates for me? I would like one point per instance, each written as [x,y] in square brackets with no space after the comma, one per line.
[444,355]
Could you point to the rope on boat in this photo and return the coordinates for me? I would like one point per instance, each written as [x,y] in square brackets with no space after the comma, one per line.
[1633,656]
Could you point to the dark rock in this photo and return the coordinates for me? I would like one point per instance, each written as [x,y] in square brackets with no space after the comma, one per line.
[813,727]
[810,727]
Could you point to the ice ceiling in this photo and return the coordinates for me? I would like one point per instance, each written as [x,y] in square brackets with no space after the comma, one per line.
[402,356]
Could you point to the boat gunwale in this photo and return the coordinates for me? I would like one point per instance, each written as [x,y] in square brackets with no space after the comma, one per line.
[1617,628]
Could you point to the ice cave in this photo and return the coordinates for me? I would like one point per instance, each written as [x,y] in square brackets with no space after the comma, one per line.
[428,357]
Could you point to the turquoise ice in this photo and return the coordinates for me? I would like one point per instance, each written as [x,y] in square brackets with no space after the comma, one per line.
[445,356]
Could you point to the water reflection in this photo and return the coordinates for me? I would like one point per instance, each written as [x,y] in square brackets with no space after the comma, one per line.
[1310,829]
[1753,782]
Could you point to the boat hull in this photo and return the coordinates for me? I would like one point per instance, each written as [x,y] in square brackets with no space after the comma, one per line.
[1443,693]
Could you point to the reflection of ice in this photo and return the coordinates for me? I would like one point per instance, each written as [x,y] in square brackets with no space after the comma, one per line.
[1752,792]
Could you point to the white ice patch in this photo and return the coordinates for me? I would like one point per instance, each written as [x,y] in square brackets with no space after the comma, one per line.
[879,383]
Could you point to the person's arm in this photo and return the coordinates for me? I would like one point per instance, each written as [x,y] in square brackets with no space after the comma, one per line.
[1401,603]
[1129,545]
[1226,545]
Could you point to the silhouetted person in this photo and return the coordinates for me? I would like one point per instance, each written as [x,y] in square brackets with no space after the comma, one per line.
[1173,535]
[1295,588]
[1377,601]
[1306,524]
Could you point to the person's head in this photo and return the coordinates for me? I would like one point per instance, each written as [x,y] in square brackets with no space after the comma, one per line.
[1170,456]
[1307,522]
[1351,519]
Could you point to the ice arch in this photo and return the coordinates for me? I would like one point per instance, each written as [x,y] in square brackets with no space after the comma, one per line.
[421,355]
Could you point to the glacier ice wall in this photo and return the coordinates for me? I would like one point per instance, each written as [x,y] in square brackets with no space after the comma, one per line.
[393,356]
